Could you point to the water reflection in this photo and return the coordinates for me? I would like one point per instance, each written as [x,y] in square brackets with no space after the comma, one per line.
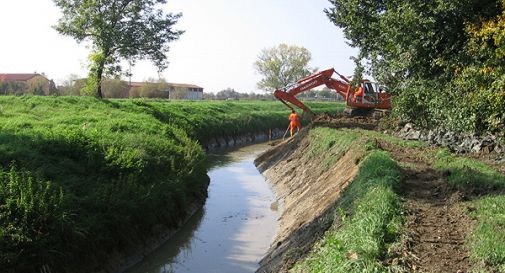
[233,230]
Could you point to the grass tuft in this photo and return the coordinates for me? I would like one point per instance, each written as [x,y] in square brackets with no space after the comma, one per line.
[466,172]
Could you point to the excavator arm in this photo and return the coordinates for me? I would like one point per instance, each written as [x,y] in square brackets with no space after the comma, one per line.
[288,94]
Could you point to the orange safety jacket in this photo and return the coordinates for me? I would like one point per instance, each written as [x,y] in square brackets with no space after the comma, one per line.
[295,120]
[358,93]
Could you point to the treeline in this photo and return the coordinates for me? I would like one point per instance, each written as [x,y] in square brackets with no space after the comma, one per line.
[151,88]
[444,60]
[117,88]
[39,86]
[230,94]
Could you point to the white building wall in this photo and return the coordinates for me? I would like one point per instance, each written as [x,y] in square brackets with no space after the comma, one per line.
[194,95]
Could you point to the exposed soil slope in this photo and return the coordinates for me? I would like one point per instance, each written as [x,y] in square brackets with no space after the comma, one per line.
[306,194]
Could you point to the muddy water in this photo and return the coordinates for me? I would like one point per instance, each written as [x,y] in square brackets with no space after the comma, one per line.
[233,230]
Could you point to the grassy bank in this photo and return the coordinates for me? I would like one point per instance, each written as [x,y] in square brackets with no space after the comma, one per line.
[359,240]
[81,178]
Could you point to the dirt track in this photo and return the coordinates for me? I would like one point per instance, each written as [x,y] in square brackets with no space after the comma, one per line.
[436,225]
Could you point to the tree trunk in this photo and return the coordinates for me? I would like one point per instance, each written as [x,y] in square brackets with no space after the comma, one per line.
[99,73]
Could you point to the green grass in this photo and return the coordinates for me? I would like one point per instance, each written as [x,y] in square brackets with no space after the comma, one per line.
[487,242]
[363,238]
[82,178]
[330,142]
[466,172]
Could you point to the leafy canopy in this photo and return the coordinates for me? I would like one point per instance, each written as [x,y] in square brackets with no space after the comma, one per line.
[118,30]
[282,65]
[405,39]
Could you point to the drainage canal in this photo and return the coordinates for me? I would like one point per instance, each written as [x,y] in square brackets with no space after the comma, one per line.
[233,230]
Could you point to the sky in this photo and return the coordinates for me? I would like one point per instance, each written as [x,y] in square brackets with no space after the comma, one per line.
[222,40]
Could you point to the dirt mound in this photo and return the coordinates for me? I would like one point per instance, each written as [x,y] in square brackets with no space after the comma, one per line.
[306,194]
[346,121]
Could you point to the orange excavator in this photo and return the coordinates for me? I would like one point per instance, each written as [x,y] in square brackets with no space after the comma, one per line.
[368,96]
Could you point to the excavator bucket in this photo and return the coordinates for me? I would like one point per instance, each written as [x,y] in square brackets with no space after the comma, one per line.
[285,97]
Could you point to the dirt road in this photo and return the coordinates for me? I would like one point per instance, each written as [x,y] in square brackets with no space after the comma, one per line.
[436,224]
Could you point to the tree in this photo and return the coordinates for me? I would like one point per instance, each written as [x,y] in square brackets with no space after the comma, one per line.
[118,30]
[409,39]
[282,65]
[155,89]
[115,88]
[70,86]
[12,87]
[441,58]
[228,93]
[327,93]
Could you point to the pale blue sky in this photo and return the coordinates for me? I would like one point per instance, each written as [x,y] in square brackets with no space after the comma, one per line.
[222,41]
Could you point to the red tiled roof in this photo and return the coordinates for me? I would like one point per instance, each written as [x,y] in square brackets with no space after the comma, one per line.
[18,77]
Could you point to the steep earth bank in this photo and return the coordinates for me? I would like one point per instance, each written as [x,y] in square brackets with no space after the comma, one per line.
[307,188]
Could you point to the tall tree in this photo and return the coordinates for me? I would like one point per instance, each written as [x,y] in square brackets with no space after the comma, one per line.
[282,65]
[118,30]
[405,39]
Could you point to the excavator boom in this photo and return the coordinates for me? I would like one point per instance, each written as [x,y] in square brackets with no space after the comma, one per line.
[370,97]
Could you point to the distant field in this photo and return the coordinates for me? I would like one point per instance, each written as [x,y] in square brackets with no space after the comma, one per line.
[81,177]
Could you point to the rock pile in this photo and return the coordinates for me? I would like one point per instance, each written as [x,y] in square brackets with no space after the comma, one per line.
[459,143]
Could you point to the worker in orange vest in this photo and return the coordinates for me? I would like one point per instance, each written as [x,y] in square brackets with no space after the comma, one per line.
[359,93]
[294,122]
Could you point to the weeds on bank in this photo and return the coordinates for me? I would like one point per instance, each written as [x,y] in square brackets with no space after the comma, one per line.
[466,172]
[333,143]
[487,242]
[357,245]
[363,238]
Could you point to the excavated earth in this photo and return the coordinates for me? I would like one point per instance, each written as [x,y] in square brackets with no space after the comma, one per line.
[436,225]
[306,195]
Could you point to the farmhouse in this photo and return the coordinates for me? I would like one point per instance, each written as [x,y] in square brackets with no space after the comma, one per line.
[26,83]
